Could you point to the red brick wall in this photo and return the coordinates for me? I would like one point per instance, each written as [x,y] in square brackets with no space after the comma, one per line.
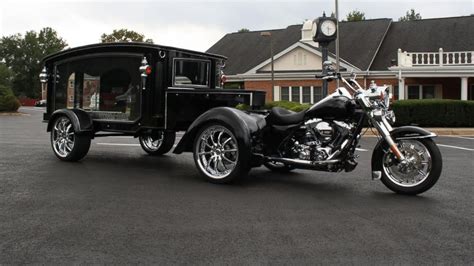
[451,86]
[266,85]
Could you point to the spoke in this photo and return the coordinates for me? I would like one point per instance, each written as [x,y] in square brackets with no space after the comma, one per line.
[219,137]
[211,137]
[423,174]
[205,153]
[207,145]
[227,159]
[231,150]
[209,162]
[223,164]
[68,128]
[227,140]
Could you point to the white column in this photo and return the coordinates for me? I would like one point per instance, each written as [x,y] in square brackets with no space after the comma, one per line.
[401,88]
[464,88]
[276,93]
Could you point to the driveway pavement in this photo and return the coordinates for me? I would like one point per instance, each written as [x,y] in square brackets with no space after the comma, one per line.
[120,206]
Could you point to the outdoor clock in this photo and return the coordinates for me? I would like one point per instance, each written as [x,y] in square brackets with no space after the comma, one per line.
[324,29]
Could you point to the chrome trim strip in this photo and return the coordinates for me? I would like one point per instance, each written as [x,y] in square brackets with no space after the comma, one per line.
[432,135]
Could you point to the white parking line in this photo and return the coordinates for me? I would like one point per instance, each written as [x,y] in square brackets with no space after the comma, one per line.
[460,137]
[455,147]
[358,149]
[38,109]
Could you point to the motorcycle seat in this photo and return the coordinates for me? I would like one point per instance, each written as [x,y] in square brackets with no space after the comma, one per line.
[283,117]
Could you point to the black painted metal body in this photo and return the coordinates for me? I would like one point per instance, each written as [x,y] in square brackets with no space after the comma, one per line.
[164,103]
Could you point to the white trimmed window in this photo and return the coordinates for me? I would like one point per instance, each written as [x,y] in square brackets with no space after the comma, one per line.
[423,91]
[299,94]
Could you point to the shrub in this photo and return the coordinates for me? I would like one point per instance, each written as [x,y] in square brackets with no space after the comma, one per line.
[434,113]
[8,101]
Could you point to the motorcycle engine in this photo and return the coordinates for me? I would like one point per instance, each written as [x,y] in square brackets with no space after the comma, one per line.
[316,139]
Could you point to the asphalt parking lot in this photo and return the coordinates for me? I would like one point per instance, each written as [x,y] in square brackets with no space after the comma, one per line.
[121,206]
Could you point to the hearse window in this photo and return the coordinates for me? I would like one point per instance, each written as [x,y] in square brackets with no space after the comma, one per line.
[192,73]
[108,86]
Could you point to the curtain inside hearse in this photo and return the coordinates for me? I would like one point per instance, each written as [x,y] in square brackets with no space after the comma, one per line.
[107,86]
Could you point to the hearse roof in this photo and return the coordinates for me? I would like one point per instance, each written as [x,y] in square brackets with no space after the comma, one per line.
[122,46]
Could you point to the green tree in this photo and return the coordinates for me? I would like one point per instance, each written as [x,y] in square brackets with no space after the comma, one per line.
[124,35]
[22,56]
[355,15]
[410,16]
[5,75]
[243,30]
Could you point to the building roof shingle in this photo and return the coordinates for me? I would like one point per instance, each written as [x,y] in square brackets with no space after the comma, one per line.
[427,35]
[359,42]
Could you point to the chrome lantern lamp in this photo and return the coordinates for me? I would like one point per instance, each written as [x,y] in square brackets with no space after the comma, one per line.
[145,70]
[43,76]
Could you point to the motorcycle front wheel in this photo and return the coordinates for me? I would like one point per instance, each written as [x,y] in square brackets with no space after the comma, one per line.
[419,173]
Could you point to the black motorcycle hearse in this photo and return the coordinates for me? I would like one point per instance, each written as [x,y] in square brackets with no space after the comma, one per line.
[151,92]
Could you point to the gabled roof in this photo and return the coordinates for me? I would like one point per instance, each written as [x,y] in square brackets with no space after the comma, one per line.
[305,46]
[427,35]
[358,45]
[247,49]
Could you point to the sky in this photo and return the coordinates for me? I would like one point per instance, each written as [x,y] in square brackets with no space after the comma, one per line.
[195,25]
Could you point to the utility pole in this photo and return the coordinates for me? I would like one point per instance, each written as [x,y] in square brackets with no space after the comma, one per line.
[269,34]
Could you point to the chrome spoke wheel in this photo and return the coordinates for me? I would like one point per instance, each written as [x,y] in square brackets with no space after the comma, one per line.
[217,152]
[415,170]
[153,143]
[63,137]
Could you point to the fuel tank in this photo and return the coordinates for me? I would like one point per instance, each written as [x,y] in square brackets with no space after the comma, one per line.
[337,107]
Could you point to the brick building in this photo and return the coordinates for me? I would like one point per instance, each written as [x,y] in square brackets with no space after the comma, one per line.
[424,59]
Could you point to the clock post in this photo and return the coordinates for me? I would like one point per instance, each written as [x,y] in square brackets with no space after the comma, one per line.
[325,33]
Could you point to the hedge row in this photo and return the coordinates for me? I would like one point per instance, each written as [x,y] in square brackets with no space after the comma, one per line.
[425,113]
[434,113]
[8,101]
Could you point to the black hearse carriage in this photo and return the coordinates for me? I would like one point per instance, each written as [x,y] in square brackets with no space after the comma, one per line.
[137,89]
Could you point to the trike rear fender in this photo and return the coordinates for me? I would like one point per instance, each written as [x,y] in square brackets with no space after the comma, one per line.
[244,126]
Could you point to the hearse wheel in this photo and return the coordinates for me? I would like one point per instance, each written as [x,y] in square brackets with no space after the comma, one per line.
[218,155]
[66,144]
[158,144]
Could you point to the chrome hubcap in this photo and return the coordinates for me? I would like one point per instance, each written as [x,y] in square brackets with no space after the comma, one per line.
[414,170]
[63,137]
[153,143]
[217,152]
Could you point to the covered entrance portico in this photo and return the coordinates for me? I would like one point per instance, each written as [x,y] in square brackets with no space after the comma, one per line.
[443,75]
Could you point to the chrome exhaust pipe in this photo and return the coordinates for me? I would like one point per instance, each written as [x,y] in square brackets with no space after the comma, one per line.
[299,162]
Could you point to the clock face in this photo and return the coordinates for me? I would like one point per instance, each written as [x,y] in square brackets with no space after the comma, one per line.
[328,27]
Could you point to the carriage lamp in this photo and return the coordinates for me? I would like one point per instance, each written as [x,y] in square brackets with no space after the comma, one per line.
[43,76]
[145,70]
